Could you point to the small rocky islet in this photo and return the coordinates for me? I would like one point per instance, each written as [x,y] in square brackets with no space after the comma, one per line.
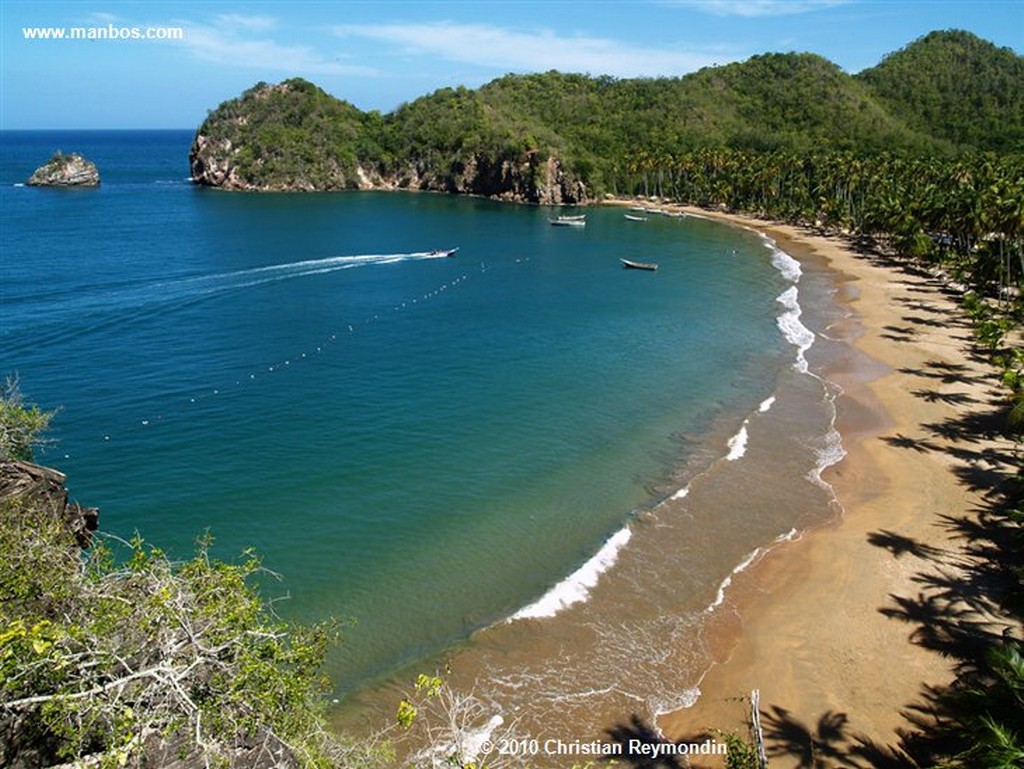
[62,170]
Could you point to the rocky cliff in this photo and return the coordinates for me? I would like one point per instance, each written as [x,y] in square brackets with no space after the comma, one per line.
[519,180]
[294,137]
[44,488]
[290,137]
[66,171]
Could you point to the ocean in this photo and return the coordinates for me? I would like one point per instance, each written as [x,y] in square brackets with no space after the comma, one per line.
[522,459]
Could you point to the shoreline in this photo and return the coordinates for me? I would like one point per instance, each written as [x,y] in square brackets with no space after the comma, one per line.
[521,667]
[817,632]
[820,622]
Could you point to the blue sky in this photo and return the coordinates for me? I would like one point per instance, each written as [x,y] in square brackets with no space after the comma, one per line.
[377,54]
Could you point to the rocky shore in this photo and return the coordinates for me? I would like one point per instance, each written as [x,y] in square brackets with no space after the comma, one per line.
[66,171]
[29,483]
[294,137]
[217,163]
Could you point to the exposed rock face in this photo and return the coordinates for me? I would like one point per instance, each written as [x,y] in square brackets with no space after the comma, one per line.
[209,163]
[294,137]
[520,180]
[66,171]
[215,163]
[45,486]
[531,180]
[525,180]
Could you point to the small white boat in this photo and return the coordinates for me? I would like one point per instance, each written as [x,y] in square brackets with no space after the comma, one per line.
[561,222]
[575,218]
[630,265]
[443,252]
[634,218]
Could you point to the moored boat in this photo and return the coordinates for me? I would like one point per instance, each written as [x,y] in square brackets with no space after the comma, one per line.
[560,222]
[631,265]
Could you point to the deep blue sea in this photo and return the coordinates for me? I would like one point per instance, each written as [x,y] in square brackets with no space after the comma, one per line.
[420,446]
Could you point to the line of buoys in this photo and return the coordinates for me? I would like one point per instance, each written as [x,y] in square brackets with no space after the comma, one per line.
[260,371]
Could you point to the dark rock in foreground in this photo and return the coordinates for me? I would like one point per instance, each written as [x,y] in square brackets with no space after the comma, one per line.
[66,171]
[44,487]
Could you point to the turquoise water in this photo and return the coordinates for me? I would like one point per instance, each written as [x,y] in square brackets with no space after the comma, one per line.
[424,445]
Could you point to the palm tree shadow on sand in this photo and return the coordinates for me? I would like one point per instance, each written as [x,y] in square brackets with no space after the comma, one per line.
[638,733]
[963,608]
[964,605]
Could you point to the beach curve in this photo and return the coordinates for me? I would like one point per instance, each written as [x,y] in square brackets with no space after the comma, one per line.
[817,636]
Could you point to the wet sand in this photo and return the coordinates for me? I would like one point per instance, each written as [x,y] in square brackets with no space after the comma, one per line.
[821,634]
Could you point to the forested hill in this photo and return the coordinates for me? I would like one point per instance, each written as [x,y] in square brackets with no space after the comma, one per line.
[562,138]
[955,86]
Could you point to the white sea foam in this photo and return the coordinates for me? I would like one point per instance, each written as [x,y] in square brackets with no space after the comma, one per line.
[766,404]
[828,454]
[789,536]
[738,444]
[784,263]
[789,324]
[724,586]
[743,565]
[685,699]
[681,494]
[576,587]
[466,742]
[475,740]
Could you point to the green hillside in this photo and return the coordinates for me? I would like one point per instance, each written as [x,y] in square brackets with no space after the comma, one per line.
[565,138]
[797,101]
[291,136]
[955,86]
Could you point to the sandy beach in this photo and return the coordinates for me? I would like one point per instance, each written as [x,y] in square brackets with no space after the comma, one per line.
[827,629]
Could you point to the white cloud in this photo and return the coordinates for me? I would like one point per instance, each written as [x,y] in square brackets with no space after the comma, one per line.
[496,48]
[105,18]
[233,41]
[252,23]
[752,8]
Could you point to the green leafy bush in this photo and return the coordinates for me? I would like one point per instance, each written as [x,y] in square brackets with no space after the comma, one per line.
[22,427]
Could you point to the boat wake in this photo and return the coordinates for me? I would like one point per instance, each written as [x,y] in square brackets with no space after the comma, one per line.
[256,276]
[128,300]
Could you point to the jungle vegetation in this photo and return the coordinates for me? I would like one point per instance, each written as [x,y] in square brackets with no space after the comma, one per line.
[945,95]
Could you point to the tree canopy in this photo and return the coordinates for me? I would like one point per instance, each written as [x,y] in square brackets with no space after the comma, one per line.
[956,87]
[947,93]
